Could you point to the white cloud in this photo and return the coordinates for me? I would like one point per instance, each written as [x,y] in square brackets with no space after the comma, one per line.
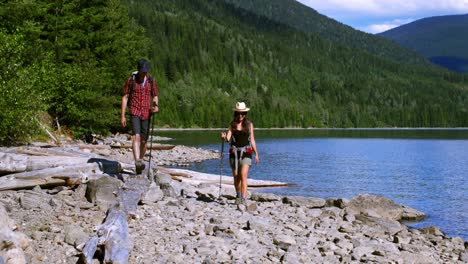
[378,28]
[386,25]
[375,16]
[388,7]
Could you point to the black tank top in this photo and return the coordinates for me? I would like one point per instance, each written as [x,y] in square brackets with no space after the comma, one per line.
[241,139]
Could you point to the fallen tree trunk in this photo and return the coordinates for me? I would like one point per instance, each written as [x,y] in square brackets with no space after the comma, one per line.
[48,177]
[14,163]
[10,163]
[198,177]
[38,151]
[94,146]
[113,235]
[154,147]
[62,175]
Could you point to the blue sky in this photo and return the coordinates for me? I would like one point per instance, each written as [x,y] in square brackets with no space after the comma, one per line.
[375,16]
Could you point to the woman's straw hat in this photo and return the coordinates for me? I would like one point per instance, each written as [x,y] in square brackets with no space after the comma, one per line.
[241,107]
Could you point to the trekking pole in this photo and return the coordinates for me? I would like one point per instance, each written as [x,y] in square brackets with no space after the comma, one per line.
[221,168]
[151,144]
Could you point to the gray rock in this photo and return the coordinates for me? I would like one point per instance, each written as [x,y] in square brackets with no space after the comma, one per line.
[241,207]
[261,224]
[349,217]
[209,189]
[5,220]
[375,206]
[153,194]
[359,252]
[265,197]
[345,244]
[173,189]
[386,225]
[464,257]
[332,212]
[102,191]
[162,178]
[308,202]
[346,227]
[315,212]
[458,243]
[37,188]
[337,202]
[432,230]
[284,241]
[74,235]
[291,256]
[401,239]
[409,257]
[410,214]
[35,199]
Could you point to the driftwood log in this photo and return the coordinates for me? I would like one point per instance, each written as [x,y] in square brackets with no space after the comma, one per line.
[49,177]
[113,235]
[197,177]
[27,167]
[23,171]
[154,147]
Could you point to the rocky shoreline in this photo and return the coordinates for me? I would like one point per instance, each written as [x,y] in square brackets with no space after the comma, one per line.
[182,218]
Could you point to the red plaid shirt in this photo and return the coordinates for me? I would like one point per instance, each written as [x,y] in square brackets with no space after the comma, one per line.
[142,94]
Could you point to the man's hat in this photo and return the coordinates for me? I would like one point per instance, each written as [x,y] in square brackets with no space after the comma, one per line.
[143,66]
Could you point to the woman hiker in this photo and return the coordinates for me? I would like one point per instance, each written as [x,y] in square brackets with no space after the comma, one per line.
[242,141]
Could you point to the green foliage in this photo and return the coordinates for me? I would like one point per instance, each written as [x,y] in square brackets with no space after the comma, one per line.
[87,49]
[441,39]
[70,59]
[305,19]
[210,54]
[434,36]
[21,98]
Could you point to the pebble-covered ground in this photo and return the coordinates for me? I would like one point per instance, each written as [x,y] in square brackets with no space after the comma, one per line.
[52,225]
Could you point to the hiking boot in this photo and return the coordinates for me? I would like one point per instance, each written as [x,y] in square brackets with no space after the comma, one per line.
[139,166]
[244,202]
[238,200]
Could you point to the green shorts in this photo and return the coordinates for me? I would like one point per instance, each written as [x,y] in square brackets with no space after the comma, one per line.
[243,161]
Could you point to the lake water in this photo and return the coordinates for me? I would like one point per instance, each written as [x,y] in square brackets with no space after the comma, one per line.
[424,169]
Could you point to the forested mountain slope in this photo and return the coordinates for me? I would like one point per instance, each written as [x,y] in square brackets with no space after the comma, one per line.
[306,19]
[441,39]
[213,54]
[67,62]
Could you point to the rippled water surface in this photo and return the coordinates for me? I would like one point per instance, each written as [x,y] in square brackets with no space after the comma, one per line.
[424,169]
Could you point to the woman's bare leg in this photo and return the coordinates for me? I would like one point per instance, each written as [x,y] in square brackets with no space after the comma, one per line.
[244,172]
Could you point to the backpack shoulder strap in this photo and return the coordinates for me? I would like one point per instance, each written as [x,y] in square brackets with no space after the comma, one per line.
[132,81]
[249,123]
[130,89]
[151,80]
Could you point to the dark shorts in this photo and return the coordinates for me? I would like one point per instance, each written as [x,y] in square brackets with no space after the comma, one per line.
[140,127]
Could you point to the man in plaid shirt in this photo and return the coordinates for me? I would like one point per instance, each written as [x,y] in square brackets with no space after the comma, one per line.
[140,89]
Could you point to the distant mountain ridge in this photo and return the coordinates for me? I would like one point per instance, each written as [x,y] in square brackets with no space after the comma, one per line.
[442,39]
[308,20]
